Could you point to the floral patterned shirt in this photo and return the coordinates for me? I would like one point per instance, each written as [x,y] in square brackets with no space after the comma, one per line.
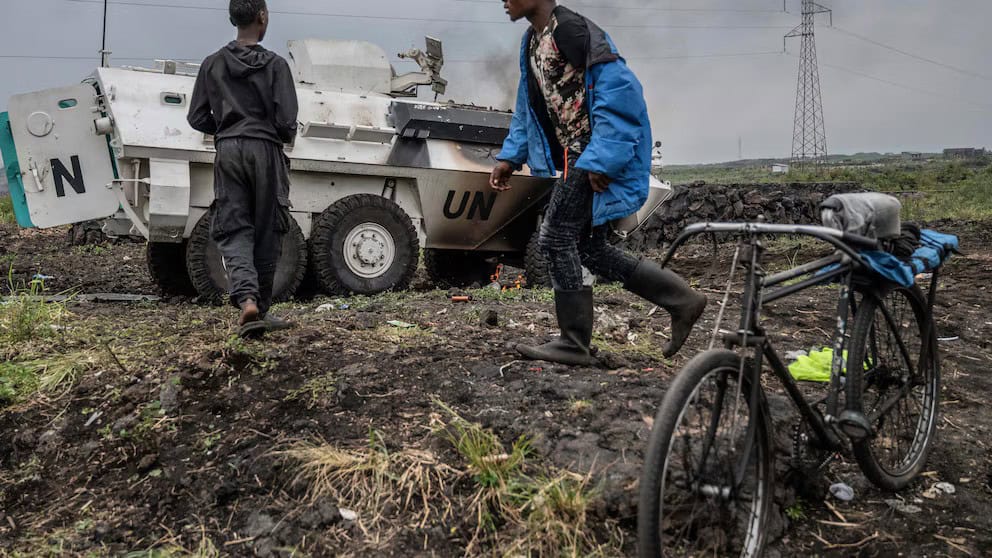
[563,87]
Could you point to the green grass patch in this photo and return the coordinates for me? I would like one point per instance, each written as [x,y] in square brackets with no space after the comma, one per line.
[489,294]
[24,313]
[315,391]
[20,381]
[7,216]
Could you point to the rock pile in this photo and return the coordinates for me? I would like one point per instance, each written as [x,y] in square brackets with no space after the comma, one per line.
[699,202]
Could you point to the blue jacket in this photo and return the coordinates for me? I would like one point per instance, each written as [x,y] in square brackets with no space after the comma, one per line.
[620,147]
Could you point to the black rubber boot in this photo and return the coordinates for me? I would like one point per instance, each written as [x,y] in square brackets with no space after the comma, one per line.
[251,325]
[669,291]
[575,318]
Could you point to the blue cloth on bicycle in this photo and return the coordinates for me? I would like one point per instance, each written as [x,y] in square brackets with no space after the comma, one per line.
[935,249]
[889,267]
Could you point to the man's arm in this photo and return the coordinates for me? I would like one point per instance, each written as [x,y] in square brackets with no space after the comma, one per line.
[617,103]
[286,104]
[515,145]
[200,117]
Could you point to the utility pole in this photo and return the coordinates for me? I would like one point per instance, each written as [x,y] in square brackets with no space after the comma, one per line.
[104,53]
[809,136]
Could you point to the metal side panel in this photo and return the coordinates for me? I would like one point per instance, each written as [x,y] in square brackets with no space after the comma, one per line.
[65,167]
[168,205]
[8,154]
[659,193]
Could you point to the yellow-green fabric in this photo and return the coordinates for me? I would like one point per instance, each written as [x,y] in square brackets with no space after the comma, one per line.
[815,367]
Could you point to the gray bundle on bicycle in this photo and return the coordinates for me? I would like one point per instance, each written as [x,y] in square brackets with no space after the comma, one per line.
[870,215]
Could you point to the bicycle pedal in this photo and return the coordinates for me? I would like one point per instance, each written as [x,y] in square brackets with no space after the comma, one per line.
[855,424]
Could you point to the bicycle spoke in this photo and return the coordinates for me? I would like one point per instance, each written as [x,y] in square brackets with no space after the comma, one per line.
[705,509]
[897,385]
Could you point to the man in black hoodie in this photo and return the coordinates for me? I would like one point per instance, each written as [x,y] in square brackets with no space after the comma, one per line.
[245,97]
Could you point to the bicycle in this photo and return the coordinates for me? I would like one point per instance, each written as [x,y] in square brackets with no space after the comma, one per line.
[708,475]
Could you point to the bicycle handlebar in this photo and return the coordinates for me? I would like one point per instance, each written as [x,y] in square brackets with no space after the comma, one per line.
[843,241]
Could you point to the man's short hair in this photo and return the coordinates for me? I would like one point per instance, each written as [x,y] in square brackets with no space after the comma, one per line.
[245,12]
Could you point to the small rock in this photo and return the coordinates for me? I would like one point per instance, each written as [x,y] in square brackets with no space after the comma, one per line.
[147,462]
[168,395]
[347,514]
[357,369]
[489,318]
[328,512]
[226,492]
[903,507]
[485,370]
[259,524]
[945,487]
[88,448]
[842,492]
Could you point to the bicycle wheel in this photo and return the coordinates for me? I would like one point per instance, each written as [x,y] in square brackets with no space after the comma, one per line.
[896,385]
[706,483]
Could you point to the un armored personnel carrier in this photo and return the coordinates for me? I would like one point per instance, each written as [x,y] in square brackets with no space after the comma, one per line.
[378,176]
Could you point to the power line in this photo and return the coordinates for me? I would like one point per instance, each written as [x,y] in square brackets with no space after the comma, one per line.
[93,57]
[911,55]
[643,58]
[906,87]
[418,19]
[645,9]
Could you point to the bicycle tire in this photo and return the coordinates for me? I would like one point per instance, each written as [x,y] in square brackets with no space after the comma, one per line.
[674,407]
[868,322]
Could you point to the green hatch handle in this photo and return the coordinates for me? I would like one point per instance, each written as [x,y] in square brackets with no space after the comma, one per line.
[9,154]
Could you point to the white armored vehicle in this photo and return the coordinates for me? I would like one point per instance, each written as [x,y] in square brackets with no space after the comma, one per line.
[377,175]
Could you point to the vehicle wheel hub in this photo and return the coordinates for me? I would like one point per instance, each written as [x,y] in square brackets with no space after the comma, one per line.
[369,250]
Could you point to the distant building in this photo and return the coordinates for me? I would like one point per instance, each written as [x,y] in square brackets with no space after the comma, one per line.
[912,155]
[964,153]
[780,168]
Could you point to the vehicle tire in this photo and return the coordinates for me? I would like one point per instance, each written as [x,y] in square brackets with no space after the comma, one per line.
[459,268]
[364,244]
[911,424]
[715,505]
[206,265]
[536,264]
[167,268]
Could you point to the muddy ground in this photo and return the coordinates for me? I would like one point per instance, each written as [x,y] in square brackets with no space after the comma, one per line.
[167,442]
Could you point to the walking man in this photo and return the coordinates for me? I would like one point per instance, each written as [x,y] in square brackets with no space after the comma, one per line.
[580,109]
[245,97]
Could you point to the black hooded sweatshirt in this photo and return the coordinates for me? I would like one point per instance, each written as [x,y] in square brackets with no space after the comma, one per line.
[245,92]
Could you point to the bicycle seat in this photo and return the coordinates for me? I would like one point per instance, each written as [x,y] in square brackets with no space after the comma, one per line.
[871,215]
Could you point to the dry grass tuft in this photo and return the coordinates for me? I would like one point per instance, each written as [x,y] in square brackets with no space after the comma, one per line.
[522,509]
[372,480]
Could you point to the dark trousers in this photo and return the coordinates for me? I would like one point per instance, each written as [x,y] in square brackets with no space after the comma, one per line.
[250,215]
[568,239]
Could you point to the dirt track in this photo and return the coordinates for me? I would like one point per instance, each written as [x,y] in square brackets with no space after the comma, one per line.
[201,416]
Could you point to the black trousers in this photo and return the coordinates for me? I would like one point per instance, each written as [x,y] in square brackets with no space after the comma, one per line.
[250,215]
[568,239]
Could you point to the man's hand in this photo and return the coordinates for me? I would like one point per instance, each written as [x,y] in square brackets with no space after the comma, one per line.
[600,182]
[500,178]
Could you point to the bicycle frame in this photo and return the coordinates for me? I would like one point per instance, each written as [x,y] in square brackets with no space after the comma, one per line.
[759,288]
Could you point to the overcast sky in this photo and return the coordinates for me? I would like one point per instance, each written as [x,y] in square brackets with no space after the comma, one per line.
[875,99]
